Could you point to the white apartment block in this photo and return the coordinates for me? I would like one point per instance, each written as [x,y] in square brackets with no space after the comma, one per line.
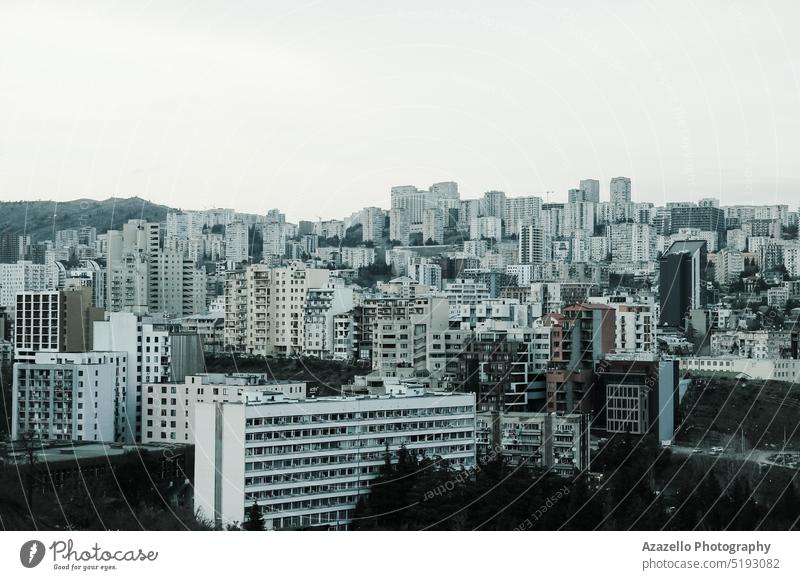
[791,259]
[330,229]
[433,226]
[729,265]
[344,339]
[711,238]
[414,201]
[184,225]
[399,260]
[745,213]
[169,409]
[522,272]
[69,396]
[130,267]
[274,239]
[464,291]
[519,211]
[399,226]
[443,350]
[631,242]
[265,307]
[399,330]
[237,247]
[209,327]
[532,241]
[487,227]
[372,221]
[477,248]
[308,462]
[425,273]
[322,306]
[357,257]
[21,277]
[157,354]
[469,209]
[492,314]
[635,327]
[579,217]
[181,288]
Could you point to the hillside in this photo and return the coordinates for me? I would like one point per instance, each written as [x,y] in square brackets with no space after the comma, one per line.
[717,409]
[37,218]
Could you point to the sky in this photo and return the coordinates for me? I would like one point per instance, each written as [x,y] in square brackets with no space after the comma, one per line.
[319,108]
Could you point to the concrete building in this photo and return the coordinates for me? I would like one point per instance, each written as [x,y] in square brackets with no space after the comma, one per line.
[494,204]
[265,307]
[169,409]
[237,246]
[520,211]
[620,199]
[426,273]
[532,243]
[22,276]
[321,307]
[490,228]
[308,462]
[399,329]
[69,396]
[158,353]
[180,286]
[591,189]
[358,257]
[433,226]
[706,218]
[638,395]
[728,266]
[399,226]
[54,321]
[372,221]
[414,201]
[209,327]
[632,242]
[555,443]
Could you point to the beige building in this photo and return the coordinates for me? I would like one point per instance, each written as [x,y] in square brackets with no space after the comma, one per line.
[168,410]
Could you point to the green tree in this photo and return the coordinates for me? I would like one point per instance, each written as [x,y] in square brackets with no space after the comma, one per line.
[255,519]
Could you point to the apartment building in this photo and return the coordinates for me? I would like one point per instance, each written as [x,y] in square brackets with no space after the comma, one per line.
[54,321]
[583,336]
[168,409]
[556,443]
[307,462]
[180,287]
[321,307]
[131,269]
[399,328]
[70,396]
[158,351]
[22,276]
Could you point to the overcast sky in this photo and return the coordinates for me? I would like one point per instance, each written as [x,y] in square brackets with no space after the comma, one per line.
[319,108]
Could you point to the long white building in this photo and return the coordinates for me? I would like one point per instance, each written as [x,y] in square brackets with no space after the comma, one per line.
[307,462]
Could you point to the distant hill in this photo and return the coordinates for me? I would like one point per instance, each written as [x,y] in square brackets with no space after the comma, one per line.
[37,217]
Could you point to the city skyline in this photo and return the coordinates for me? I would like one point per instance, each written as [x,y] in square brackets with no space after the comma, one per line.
[329,108]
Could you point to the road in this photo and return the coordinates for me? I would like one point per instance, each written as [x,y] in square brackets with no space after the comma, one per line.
[758,456]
